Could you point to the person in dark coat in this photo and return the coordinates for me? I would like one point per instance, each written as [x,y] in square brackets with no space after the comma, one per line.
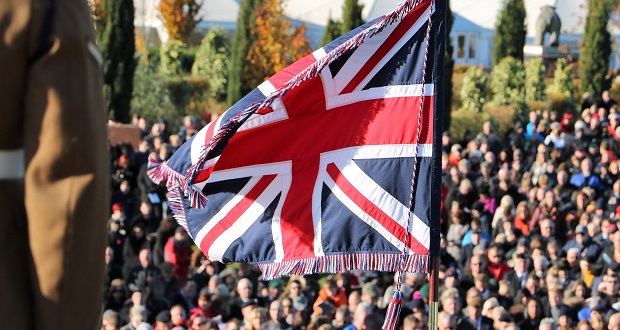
[135,243]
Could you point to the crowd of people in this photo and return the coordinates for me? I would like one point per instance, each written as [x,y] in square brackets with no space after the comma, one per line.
[529,226]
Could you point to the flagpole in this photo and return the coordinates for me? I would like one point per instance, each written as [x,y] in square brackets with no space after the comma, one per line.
[432,294]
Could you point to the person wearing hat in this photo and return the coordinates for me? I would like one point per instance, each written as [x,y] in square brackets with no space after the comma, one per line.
[274,289]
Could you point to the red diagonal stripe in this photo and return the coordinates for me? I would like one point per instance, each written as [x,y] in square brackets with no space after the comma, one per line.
[394,37]
[371,208]
[236,212]
[204,174]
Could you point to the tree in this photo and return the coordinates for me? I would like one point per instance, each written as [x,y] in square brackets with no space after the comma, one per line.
[535,80]
[510,31]
[563,82]
[119,63]
[277,44]
[475,90]
[170,56]
[98,14]
[448,68]
[239,70]
[212,62]
[331,32]
[508,82]
[151,95]
[351,16]
[596,49]
[179,17]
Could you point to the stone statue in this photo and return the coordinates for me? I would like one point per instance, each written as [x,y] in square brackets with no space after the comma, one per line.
[548,22]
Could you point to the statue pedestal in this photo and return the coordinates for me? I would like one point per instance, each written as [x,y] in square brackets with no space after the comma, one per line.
[546,52]
[549,54]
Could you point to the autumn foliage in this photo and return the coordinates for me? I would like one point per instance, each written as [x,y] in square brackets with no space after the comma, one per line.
[98,14]
[277,42]
[179,17]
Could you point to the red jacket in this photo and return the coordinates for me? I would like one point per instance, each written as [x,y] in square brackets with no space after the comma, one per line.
[339,299]
[498,271]
[180,255]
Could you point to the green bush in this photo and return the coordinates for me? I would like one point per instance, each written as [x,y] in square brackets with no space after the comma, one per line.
[180,92]
[474,91]
[503,117]
[212,62]
[535,80]
[508,82]
[561,104]
[151,96]
[562,91]
[198,96]
[187,58]
[171,58]
[464,120]
[457,85]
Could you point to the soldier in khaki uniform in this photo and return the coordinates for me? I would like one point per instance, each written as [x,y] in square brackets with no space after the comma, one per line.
[53,167]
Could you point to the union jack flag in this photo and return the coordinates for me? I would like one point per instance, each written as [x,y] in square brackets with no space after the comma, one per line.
[313,170]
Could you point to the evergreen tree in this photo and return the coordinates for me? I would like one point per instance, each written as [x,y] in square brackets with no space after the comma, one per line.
[448,68]
[563,82]
[508,82]
[535,80]
[212,62]
[596,49]
[351,16]
[119,63]
[239,71]
[331,32]
[170,56]
[475,90]
[510,31]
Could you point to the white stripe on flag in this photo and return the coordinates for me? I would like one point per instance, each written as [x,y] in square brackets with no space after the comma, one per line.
[319,53]
[245,221]
[225,209]
[420,231]
[397,47]
[201,139]
[266,88]
[385,202]
[365,217]
[362,55]
[379,93]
